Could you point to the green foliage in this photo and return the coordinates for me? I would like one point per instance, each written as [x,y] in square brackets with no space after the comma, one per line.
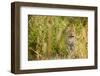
[48,32]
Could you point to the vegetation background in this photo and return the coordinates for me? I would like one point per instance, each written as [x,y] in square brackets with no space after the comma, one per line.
[57,37]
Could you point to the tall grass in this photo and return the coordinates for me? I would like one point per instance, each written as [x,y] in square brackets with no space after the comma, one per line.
[48,37]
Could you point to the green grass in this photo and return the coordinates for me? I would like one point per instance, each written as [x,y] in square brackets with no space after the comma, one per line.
[48,36]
